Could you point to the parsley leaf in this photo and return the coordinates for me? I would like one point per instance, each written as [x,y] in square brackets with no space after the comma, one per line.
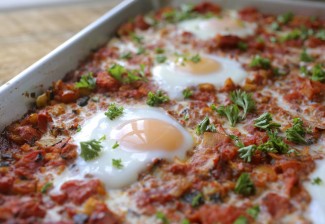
[117,71]
[205,126]
[253,211]
[242,46]
[275,26]
[115,145]
[318,73]
[293,35]
[260,62]
[78,128]
[117,163]
[46,186]
[114,111]
[177,15]
[297,132]
[185,221]
[90,149]
[230,111]
[243,100]
[237,141]
[155,99]
[187,93]
[161,58]
[196,58]
[317,181]
[265,122]
[285,18]
[241,220]
[136,38]
[320,34]
[305,57]
[247,152]
[197,200]
[274,144]
[245,185]
[86,81]
[126,55]
[162,217]
[159,50]
[141,50]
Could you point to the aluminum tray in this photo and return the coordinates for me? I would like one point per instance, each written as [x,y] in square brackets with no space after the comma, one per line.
[39,76]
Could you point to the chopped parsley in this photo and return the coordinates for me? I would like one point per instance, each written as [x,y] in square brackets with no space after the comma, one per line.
[317,73]
[230,111]
[185,221]
[136,38]
[260,62]
[237,141]
[247,152]
[242,46]
[297,132]
[141,50]
[114,111]
[265,122]
[253,211]
[155,99]
[162,217]
[46,186]
[293,35]
[119,73]
[317,181]
[197,200]
[187,93]
[86,81]
[159,50]
[116,144]
[243,100]
[90,149]
[245,185]
[241,220]
[126,55]
[102,138]
[285,18]
[196,58]
[78,128]
[161,58]
[185,12]
[117,163]
[320,34]
[275,26]
[305,57]
[275,144]
[205,126]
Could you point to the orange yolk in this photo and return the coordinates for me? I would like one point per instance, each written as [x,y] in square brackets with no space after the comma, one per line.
[202,67]
[148,135]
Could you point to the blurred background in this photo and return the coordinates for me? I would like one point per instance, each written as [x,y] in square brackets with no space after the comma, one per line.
[31,29]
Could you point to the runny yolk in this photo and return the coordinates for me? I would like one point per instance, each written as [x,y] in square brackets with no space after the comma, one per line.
[202,67]
[147,135]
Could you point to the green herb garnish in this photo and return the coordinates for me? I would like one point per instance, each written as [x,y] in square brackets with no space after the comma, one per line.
[46,186]
[197,200]
[317,181]
[253,211]
[126,55]
[187,93]
[161,58]
[114,111]
[275,144]
[305,57]
[265,122]
[230,111]
[247,152]
[185,221]
[318,73]
[205,126]
[162,217]
[241,220]
[155,99]
[117,163]
[136,38]
[119,73]
[242,46]
[159,50]
[243,100]
[285,18]
[260,62]
[90,149]
[245,185]
[86,81]
[116,144]
[320,34]
[196,58]
[297,132]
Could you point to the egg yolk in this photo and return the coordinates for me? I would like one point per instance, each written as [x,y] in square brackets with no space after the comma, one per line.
[148,134]
[226,24]
[202,67]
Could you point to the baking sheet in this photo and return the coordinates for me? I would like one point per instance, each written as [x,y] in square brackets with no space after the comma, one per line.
[16,95]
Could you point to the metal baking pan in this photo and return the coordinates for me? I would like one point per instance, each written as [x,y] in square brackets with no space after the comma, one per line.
[16,95]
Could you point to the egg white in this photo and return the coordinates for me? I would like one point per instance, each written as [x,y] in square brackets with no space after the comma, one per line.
[133,162]
[207,28]
[174,81]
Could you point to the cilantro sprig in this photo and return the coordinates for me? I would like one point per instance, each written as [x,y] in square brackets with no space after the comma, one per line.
[155,99]
[265,122]
[243,100]
[114,111]
[205,126]
[86,81]
[245,185]
[90,149]
[297,132]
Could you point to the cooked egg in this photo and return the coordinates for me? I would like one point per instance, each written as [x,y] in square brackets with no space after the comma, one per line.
[174,76]
[205,29]
[143,135]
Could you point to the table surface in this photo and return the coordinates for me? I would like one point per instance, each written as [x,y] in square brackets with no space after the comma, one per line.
[27,34]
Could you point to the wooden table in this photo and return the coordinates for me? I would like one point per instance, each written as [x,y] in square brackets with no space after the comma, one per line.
[26,35]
